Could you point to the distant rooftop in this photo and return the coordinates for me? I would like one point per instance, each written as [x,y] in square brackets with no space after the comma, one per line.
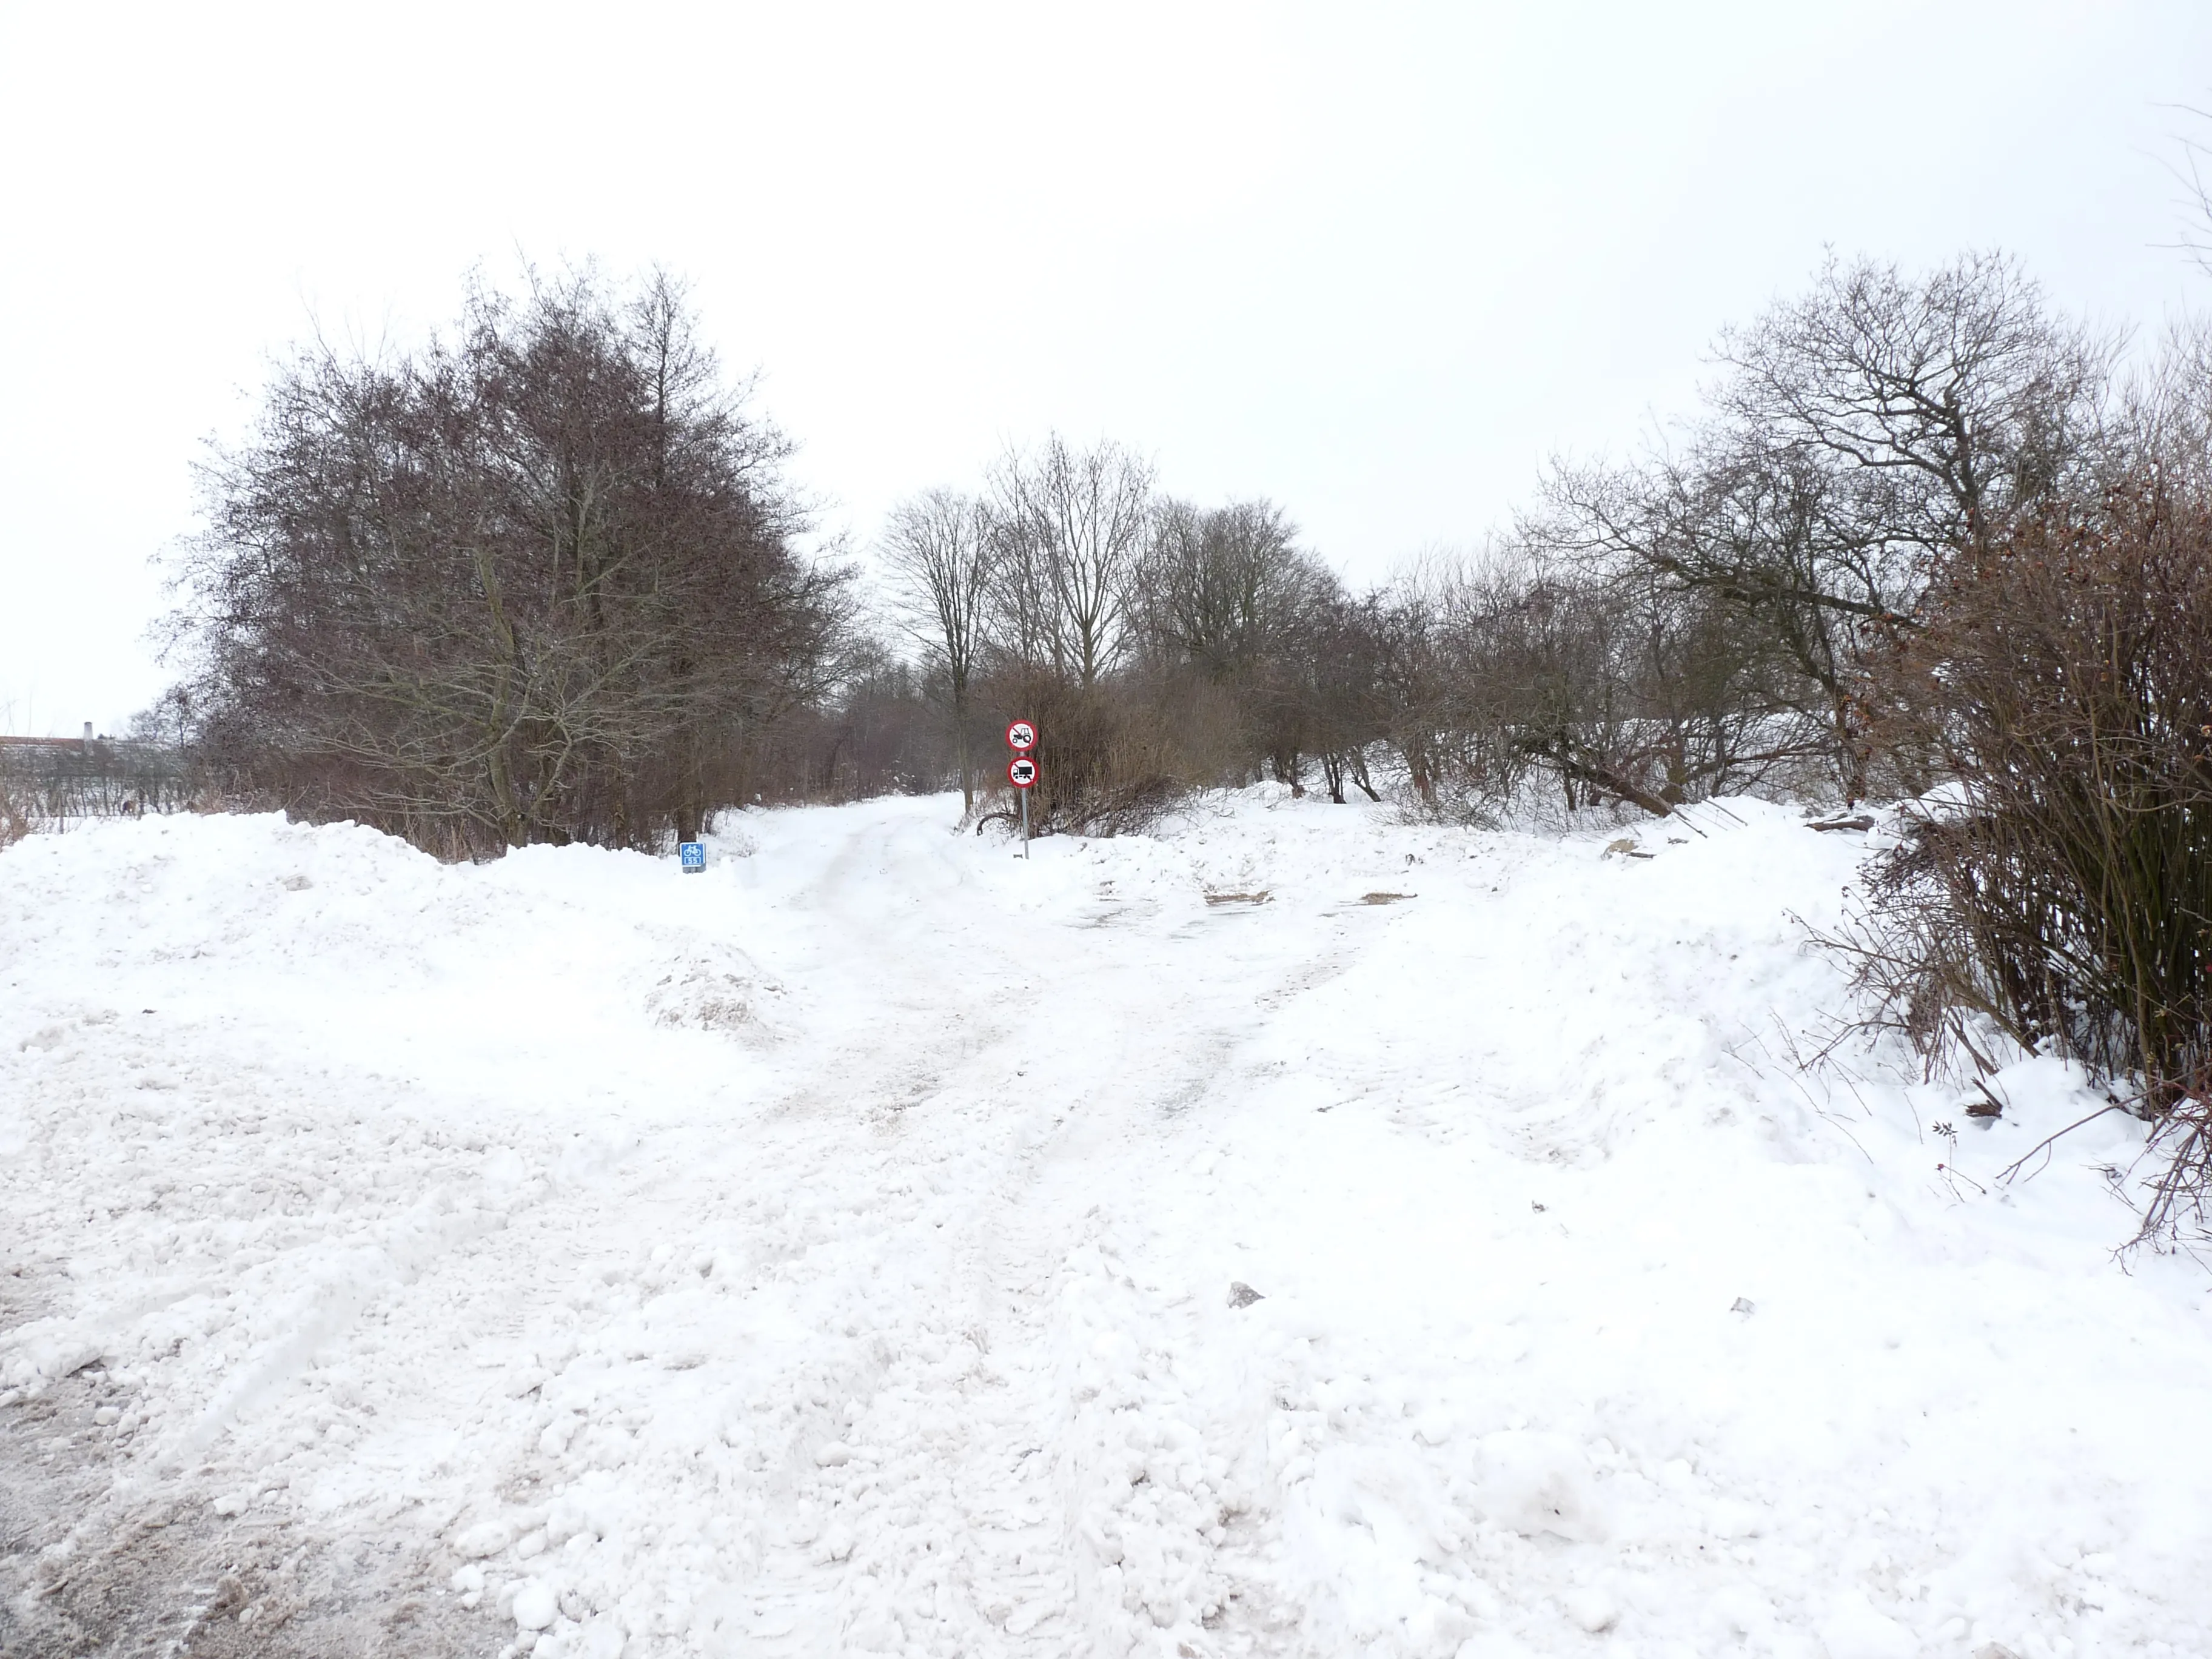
[54,743]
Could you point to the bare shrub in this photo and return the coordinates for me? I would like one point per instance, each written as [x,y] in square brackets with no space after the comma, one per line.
[2061,886]
[1616,685]
[1327,685]
[881,731]
[14,816]
[1114,757]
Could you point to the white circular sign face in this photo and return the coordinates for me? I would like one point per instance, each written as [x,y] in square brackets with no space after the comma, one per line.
[1021,735]
[1023,773]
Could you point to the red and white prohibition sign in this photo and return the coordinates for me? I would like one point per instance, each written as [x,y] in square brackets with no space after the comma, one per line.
[1022,770]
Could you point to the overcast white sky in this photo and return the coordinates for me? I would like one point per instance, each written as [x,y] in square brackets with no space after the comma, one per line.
[1374,262]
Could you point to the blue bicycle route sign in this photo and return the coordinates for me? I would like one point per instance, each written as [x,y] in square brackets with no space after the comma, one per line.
[694,854]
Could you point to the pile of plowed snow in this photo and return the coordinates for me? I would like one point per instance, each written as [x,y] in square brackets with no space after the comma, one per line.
[1302,1232]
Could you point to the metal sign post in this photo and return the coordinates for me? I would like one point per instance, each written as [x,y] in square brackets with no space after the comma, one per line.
[1022,773]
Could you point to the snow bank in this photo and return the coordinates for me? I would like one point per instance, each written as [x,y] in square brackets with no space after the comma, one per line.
[834,1251]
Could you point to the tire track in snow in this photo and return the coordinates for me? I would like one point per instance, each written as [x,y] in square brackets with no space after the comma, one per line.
[935,1497]
[899,1489]
[879,1462]
[1067,1498]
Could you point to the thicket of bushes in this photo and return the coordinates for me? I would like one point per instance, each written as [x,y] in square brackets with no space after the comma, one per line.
[537,582]
[2058,884]
[544,580]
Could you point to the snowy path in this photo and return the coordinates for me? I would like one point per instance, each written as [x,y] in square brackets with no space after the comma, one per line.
[832,1254]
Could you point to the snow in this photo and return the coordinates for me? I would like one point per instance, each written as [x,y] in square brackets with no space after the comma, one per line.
[834,1251]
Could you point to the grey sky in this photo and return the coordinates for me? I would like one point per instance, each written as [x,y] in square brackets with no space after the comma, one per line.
[1374,262]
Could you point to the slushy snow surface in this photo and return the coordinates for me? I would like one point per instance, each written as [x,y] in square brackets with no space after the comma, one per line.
[881,1244]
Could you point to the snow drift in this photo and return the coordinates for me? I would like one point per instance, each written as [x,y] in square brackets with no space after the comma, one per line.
[832,1252]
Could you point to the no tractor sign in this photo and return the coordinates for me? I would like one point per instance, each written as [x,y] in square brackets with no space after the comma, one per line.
[1023,773]
[1021,736]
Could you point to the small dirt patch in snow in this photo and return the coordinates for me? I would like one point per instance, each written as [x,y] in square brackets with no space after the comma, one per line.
[88,1568]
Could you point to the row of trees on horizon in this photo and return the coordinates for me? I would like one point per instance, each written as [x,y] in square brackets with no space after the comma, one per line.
[545,579]
[1717,614]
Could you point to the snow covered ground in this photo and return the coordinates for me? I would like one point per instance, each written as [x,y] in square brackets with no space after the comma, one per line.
[851,1250]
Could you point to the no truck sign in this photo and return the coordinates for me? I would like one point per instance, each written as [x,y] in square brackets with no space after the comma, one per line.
[1022,771]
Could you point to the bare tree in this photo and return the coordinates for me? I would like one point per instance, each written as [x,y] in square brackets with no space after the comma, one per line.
[1071,526]
[1756,531]
[536,582]
[943,554]
[1945,401]
[1859,434]
[1221,589]
[1226,594]
[2194,170]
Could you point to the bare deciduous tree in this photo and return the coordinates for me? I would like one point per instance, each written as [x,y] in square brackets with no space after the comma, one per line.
[1856,436]
[536,582]
[1946,400]
[1221,589]
[1071,526]
[943,553]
